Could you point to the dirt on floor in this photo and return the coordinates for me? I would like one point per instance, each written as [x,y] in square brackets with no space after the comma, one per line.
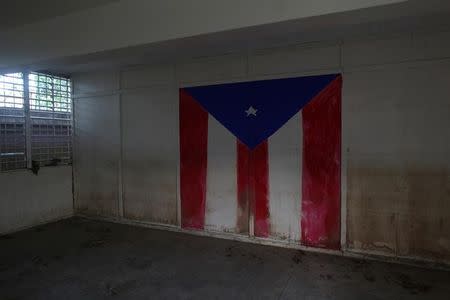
[83,259]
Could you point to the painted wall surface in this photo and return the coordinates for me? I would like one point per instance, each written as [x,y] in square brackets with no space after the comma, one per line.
[149,155]
[399,188]
[27,200]
[97,147]
[395,138]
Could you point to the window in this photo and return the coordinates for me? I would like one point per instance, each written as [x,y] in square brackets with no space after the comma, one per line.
[51,119]
[47,114]
[12,122]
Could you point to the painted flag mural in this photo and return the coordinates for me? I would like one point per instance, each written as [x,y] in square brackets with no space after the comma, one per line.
[263,158]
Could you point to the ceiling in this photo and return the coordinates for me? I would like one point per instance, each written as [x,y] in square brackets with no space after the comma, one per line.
[416,15]
[14,13]
[409,16]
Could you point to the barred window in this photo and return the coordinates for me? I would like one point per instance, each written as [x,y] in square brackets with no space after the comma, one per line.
[42,117]
[12,122]
[51,119]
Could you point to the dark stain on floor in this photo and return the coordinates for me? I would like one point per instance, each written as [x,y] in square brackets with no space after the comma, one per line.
[409,284]
[120,288]
[139,263]
[6,237]
[369,276]
[326,276]
[93,244]
[297,257]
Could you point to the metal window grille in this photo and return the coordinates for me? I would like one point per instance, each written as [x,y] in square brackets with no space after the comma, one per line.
[51,119]
[12,122]
[41,119]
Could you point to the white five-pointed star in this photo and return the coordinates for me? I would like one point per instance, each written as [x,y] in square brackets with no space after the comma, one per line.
[251,111]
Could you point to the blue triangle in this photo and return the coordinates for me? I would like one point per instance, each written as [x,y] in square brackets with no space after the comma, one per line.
[255,110]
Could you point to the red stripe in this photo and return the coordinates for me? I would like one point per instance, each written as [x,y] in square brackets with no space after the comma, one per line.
[320,221]
[253,184]
[193,160]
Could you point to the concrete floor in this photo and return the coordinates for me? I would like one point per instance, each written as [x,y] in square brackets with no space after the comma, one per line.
[83,259]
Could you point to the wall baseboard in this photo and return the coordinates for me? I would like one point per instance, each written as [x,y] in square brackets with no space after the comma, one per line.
[350,253]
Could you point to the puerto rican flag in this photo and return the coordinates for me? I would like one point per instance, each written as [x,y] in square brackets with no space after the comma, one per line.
[263,158]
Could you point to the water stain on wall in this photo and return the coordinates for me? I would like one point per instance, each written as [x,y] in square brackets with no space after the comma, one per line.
[150,191]
[403,211]
[97,191]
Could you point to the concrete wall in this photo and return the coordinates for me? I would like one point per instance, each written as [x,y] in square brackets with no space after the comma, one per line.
[97,147]
[395,144]
[27,200]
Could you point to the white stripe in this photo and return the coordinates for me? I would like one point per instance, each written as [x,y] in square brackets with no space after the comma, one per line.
[221,182]
[285,163]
